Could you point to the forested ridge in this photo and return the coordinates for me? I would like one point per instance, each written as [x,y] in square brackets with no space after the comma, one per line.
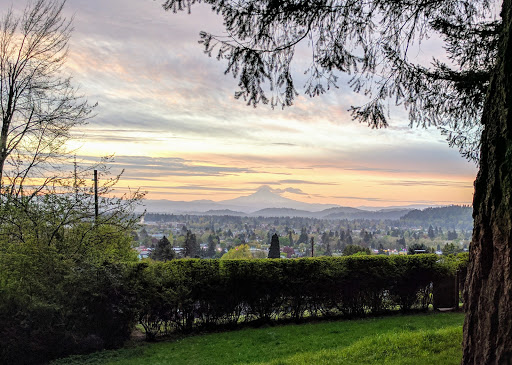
[451,217]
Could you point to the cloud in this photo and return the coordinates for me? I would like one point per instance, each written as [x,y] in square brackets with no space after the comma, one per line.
[401,158]
[260,183]
[292,181]
[207,188]
[159,94]
[284,144]
[371,169]
[146,70]
[295,191]
[361,198]
[147,167]
[400,201]
[460,184]
[289,190]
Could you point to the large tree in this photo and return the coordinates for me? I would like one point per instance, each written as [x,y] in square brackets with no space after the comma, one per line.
[38,104]
[488,297]
[60,274]
[163,250]
[192,247]
[274,251]
[468,97]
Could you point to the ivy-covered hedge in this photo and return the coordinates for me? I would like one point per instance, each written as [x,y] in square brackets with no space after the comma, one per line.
[181,295]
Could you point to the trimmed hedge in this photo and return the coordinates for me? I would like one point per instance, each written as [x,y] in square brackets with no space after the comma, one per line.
[91,307]
[188,294]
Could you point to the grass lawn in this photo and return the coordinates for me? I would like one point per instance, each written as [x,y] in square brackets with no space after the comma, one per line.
[433,338]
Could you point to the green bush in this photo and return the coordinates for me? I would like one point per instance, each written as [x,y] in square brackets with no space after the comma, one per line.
[73,310]
[238,252]
[52,305]
[54,302]
[181,295]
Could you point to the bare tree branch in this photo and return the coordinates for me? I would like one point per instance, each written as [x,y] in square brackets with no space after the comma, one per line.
[39,105]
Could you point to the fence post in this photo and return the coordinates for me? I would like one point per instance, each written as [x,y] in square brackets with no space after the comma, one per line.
[457,290]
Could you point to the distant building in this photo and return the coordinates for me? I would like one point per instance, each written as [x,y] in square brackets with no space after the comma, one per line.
[180,251]
[143,251]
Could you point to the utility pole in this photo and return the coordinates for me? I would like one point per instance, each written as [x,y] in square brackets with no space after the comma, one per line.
[312,246]
[75,179]
[96,195]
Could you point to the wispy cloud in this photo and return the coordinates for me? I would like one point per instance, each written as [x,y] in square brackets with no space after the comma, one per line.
[289,190]
[413,183]
[168,112]
[207,188]
[135,166]
[307,182]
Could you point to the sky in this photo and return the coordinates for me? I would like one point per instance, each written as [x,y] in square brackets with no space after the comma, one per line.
[167,112]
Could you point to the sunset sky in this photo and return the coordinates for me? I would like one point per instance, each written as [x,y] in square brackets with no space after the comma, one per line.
[168,114]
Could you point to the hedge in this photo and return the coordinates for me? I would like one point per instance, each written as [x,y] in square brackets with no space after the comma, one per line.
[89,308]
[183,295]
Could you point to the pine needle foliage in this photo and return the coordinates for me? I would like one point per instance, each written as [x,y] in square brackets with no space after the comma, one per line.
[375,42]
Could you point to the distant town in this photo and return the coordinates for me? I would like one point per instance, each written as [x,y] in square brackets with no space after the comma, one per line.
[441,230]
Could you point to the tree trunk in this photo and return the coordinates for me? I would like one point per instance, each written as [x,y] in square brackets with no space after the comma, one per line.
[3,150]
[488,295]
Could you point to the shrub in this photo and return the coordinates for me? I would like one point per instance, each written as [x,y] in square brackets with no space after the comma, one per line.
[54,301]
[355,249]
[238,252]
[51,305]
[186,294]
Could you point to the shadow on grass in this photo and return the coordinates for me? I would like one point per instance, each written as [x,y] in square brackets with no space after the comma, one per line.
[399,339]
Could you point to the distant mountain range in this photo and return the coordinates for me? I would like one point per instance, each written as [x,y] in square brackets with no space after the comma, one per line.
[263,198]
[333,213]
[267,203]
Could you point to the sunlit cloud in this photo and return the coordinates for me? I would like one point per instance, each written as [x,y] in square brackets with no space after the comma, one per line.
[289,190]
[430,183]
[167,166]
[306,182]
[208,188]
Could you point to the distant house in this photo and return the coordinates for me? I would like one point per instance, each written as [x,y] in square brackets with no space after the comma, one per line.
[420,251]
[143,251]
[180,251]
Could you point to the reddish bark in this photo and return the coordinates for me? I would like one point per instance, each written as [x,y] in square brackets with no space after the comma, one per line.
[488,296]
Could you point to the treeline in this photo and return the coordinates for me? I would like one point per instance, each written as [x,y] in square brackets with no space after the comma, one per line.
[452,217]
[448,218]
[238,222]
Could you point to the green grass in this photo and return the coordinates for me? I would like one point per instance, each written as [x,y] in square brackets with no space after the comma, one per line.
[433,338]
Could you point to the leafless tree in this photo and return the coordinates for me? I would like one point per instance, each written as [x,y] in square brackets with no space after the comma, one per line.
[39,105]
